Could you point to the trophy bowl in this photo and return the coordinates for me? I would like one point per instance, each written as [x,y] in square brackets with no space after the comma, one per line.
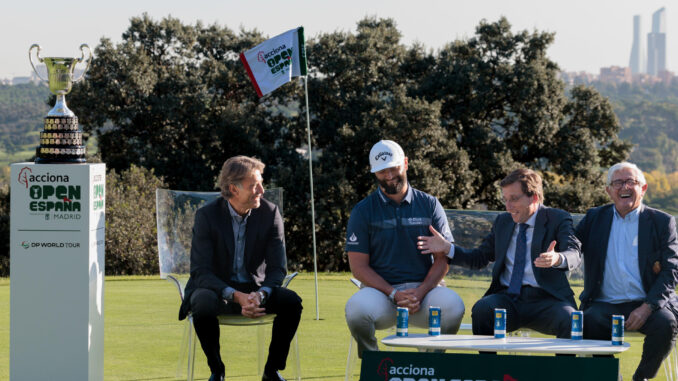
[61,140]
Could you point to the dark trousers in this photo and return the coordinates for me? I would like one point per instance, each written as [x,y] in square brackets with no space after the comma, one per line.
[206,305]
[534,308]
[660,332]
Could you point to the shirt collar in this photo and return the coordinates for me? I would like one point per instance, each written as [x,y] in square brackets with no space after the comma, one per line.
[632,216]
[237,215]
[407,198]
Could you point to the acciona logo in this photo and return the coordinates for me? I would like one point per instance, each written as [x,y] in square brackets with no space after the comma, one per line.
[26,177]
[391,371]
[48,192]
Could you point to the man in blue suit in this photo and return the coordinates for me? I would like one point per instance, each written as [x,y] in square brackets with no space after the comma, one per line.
[631,259]
[529,278]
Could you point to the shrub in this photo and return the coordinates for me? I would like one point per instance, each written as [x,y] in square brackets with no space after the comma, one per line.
[131,242]
[4,230]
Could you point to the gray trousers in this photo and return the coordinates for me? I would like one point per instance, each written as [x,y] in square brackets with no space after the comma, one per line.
[370,309]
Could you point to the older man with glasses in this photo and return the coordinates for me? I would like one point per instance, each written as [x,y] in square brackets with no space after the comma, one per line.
[529,277]
[630,255]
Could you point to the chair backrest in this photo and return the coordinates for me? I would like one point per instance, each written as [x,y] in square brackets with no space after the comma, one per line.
[175,211]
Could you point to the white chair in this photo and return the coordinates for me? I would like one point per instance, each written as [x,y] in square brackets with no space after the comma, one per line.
[175,211]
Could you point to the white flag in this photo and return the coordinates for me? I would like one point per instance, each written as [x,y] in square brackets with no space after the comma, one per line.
[275,61]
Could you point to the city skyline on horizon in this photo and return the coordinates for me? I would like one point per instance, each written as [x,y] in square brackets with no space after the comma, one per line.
[582,42]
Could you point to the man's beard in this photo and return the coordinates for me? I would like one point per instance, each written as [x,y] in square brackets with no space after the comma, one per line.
[396,188]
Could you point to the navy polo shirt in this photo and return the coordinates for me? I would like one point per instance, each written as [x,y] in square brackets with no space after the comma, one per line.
[388,232]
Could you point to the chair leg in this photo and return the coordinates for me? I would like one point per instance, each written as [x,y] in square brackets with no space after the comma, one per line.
[295,360]
[187,352]
[261,349]
[351,359]
[191,355]
[674,361]
[671,365]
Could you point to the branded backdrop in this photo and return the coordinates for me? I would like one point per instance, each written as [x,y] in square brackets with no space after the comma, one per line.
[415,366]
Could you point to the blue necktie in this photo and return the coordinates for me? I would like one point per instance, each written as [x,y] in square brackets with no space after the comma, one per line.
[519,261]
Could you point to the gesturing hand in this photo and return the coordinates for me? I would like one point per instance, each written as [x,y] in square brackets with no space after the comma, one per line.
[549,258]
[435,244]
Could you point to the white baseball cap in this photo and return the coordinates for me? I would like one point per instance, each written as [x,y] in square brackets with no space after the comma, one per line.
[386,154]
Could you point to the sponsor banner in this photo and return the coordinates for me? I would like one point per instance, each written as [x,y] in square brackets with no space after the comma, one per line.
[49,196]
[57,242]
[415,366]
[58,196]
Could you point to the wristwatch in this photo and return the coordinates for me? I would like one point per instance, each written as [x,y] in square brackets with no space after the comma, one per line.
[262,297]
[392,295]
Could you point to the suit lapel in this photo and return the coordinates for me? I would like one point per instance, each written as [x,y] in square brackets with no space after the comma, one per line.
[538,233]
[251,234]
[226,230]
[504,239]
[604,228]
[644,227]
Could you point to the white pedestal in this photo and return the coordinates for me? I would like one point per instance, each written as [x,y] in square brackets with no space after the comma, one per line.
[57,272]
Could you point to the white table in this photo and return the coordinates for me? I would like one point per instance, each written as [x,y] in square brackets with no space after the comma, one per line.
[512,344]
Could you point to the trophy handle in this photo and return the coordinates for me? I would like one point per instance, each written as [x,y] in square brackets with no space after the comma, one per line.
[82,58]
[30,58]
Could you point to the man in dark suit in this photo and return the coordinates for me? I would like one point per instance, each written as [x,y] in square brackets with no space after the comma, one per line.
[529,278]
[238,264]
[631,258]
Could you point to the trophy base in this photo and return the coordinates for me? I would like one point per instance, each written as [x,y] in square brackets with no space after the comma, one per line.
[40,160]
[61,142]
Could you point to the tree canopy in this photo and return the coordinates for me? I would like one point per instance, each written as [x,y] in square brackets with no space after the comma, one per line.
[174,98]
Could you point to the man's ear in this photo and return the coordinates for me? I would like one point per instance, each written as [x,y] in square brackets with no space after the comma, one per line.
[233,189]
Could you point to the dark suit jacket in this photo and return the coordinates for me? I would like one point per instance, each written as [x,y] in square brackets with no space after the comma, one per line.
[212,248]
[657,246]
[550,224]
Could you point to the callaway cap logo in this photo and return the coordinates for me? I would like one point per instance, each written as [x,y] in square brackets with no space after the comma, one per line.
[385,154]
[382,156]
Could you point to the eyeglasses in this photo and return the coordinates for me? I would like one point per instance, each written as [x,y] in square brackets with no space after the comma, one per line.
[512,199]
[619,184]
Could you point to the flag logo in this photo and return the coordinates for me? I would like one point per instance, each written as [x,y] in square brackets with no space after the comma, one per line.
[276,61]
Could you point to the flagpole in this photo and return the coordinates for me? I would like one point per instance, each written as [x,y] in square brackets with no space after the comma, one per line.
[310,172]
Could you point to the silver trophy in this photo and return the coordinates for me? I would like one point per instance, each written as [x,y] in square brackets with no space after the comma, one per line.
[60,141]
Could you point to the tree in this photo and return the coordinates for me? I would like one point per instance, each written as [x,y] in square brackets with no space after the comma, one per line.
[503,102]
[358,95]
[174,98]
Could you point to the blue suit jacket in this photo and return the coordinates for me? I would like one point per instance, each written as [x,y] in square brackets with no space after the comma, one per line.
[657,253]
[550,224]
[213,245]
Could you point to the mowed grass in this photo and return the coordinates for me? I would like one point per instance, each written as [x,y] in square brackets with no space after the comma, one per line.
[143,335]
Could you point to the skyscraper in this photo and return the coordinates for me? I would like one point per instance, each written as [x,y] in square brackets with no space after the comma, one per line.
[637,61]
[656,43]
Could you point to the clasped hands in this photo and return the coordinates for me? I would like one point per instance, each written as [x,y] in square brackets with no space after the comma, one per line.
[409,298]
[437,244]
[250,303]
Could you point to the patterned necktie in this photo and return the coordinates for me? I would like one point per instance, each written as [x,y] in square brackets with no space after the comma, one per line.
[519,261]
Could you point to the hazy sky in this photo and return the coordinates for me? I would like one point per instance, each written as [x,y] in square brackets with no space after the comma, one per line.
[589,34]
